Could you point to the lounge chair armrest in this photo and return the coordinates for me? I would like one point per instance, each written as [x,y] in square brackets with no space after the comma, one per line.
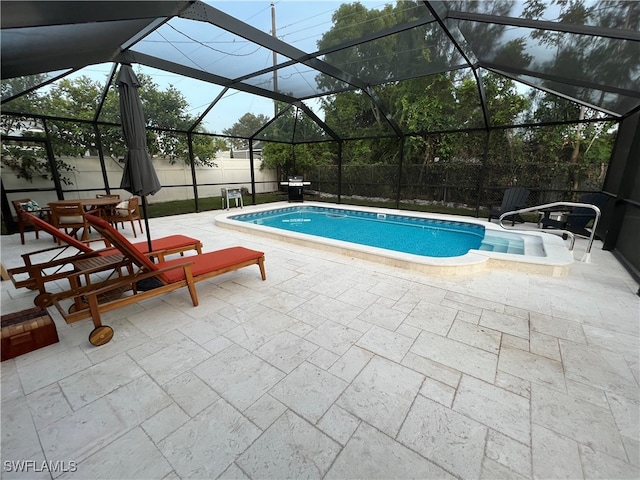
[159,254]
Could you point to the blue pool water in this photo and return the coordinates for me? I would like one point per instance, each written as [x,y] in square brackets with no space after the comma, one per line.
[419,236]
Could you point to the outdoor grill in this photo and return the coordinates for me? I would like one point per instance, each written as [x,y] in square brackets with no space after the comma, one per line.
[296,188]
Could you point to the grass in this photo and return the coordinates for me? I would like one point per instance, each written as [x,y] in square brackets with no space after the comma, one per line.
[177,207]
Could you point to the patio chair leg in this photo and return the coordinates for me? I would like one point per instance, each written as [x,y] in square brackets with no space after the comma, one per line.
[192,287]
[263,273]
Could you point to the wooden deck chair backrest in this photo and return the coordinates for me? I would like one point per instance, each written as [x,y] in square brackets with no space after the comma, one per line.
[118,241]
[55,233]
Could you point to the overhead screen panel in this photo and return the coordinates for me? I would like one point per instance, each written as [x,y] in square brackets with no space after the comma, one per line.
[297,80]
[205,47]
[600,71]
[610,102]
[31,50]
[412,53]
[592,13]
[56,101]
[233,106]
[305,25]
[355,114]
[16,86]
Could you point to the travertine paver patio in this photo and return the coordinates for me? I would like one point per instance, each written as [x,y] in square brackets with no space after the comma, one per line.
[336,368]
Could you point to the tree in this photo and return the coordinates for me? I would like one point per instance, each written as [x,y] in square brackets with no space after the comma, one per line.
[572,153]
[292,126]
[28,159]
[245,128]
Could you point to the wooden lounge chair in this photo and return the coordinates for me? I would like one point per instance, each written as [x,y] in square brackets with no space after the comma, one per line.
[90,301]
[55,263]
[513,199]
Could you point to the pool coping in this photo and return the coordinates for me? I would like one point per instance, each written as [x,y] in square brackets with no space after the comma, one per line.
[556,262]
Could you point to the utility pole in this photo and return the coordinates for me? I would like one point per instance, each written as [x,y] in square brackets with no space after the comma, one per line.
[275,57]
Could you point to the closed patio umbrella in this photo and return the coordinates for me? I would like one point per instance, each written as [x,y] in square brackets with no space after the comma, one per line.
[139,176]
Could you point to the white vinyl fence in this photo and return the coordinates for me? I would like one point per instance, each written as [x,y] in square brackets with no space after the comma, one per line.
[87,175]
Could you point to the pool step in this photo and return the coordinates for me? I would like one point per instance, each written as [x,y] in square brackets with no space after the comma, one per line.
[500,244]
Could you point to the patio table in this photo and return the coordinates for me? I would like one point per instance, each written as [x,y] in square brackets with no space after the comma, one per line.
[99,204]
[87,203]
[91,205]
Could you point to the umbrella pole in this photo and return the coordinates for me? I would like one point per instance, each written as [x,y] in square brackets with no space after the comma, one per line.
[146,221]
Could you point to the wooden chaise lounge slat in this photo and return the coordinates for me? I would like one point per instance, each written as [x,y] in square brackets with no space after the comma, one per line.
[90,301]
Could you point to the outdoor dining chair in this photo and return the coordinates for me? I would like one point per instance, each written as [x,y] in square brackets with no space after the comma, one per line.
[128,211]
[105,211]
[70,217]
[23,206]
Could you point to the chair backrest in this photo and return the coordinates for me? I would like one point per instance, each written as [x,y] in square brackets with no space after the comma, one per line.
[514,197]
[107,195]
[134,206]
[129,209]
[17,206]
[118,241]
[231,192]
[59,234]
[67,213]
[581,216]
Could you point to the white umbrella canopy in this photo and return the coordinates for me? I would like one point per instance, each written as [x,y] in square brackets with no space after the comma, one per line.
[139,176]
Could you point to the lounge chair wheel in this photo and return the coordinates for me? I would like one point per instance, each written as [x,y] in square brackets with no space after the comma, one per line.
[101,335]
[43,300]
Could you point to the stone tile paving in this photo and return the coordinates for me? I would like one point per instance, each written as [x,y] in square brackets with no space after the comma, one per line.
[336,368]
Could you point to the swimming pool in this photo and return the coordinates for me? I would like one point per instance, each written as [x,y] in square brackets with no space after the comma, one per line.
[430,243]
[402,233]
